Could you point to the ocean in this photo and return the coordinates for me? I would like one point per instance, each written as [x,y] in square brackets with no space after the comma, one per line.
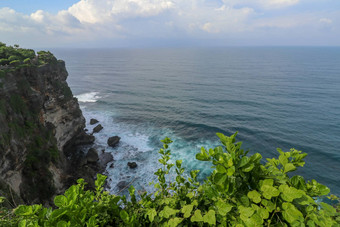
[275,97]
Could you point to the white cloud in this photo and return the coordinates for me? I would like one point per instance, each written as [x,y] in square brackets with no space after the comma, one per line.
[272,4]
[101,11]
[325,21]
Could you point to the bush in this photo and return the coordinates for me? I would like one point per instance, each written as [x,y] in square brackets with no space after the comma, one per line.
[241,191]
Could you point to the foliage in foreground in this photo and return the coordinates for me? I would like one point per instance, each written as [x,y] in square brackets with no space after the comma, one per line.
[241,191]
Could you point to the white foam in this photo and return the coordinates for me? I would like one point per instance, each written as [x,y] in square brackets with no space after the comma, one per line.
[88,97]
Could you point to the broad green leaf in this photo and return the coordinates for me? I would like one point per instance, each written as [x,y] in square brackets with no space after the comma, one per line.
[220,169]
[289,193]
[263,213]
[178,163]
[268,190]
[62,224]
[167,212]
[231,171]
[331,211]
[246,211]
[289,167]
[254,196]
[186,210]
[210,217]
[23,210]
[58,213]
[283,159]
[270,206]
[173,222]
[244,161]
[151,213]
[22,223]
[324,190]
[197,217]
[60,201]
[248,168]
[124,216]
[291,213]
[223,208]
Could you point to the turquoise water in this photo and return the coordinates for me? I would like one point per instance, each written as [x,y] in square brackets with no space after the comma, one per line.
[274,97]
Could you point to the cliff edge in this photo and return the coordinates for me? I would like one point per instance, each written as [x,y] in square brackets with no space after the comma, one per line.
[40,125]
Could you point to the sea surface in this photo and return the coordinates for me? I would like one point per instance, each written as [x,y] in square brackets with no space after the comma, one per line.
[275,97]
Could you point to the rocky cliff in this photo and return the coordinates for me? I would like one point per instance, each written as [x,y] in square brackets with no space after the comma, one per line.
[40,126]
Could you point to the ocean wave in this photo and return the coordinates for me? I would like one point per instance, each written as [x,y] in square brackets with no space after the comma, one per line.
[88,97]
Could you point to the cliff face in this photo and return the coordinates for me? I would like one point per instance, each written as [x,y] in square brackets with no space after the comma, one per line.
[40,126]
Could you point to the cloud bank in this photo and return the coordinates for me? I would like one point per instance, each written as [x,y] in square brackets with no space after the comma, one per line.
[225,22]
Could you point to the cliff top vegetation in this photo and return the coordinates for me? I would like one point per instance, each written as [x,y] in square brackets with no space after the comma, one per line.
[12,57]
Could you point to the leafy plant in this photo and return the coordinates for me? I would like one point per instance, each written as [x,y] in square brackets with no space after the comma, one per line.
[241,191]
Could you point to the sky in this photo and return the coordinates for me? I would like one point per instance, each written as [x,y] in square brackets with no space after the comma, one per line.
[169,23]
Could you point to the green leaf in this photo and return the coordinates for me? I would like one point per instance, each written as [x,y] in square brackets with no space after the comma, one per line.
[231,171]
[178,163]
[124,216]
[23,210]
[268,190]
[263,213]
[270,206]
[289,193]
[167,212]
[173,222]
[283,160]
[221,169]
[58,213]
[244,161]
[151,213]
[291,213]
[248,168]
[186,210]
[62,224]
[254,196]
[197,217]
[289,167]
[223,208]
[331,211]
[22,223]
[324,190]
[60,201]
[210,217]
[246,211]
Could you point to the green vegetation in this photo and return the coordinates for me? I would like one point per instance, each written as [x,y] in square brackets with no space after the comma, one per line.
[241,191]
[16,57]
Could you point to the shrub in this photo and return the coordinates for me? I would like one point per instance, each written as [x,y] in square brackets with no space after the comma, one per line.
[241,191]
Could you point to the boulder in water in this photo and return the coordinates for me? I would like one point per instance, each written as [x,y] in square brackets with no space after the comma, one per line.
[93,121]
[113,141]
[132,165]
[98,128]
[122,184]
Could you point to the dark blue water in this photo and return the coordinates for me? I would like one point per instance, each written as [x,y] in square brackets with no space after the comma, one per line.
[274,97]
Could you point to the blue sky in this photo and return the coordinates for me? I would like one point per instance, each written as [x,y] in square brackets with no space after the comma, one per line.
[169,23]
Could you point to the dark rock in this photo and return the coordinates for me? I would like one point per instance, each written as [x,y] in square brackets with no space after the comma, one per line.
[113,141]
[105,158]
[92,156]
[122,184]
[132,165]
[98,128]
[112,165]
[93,121]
